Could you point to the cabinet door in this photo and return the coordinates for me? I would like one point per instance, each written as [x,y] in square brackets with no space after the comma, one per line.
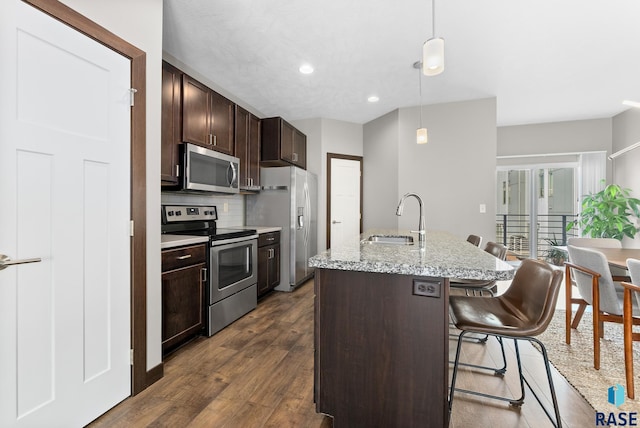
[263,270]
[274,267]
[195,112]
[253,163]
[171,125]
[286,142]
[300,149]
[182,304]
[242,144]
[222,113]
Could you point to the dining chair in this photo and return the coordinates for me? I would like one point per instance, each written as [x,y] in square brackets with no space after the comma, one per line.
[599,243]
[475,240]
[631,293]
[590,243]
[478,287]
[598,288]
[522,312]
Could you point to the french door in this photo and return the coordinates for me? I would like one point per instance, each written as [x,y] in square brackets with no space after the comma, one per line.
[534,205]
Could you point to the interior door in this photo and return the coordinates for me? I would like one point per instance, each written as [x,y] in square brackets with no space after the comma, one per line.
[345,193]
[64,183]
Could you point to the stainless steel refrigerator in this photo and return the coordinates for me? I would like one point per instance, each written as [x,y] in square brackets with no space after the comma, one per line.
[289,198]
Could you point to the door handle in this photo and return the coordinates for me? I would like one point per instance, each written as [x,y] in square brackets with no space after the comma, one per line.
[336,222]
[5,261]
[234,174]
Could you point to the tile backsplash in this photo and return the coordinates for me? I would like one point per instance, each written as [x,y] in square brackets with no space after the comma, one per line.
[234,204]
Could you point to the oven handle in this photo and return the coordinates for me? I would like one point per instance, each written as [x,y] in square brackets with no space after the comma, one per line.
[233,240]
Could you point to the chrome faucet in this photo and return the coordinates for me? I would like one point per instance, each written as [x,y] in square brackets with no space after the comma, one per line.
[421,227]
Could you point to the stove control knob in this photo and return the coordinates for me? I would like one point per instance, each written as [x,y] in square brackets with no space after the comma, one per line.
[170,213]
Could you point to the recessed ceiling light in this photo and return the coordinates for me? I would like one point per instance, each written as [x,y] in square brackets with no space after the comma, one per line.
[306,69]
[373,99]
[635,104]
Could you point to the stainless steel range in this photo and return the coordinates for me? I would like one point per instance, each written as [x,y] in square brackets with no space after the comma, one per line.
[233,262]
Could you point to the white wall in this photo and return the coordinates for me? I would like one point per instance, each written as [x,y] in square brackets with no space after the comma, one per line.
[556,137]
[380,181]
[626,170]
[454,172]
[327,136]
[140,23]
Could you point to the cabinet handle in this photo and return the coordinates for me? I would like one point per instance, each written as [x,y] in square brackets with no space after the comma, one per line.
[215,142]
[210,139]
[271,239]
[295,157]
[204,274]
[186,256]
[177,170]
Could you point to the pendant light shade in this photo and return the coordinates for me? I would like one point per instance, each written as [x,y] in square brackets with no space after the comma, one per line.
[421,136]
[433,56]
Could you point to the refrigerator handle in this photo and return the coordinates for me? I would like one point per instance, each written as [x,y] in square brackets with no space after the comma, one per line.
[307,202]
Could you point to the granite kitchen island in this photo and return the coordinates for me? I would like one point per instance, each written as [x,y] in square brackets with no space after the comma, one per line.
[381,327]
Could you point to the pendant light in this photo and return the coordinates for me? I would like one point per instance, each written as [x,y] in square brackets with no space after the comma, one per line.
[433,49]
[421,133]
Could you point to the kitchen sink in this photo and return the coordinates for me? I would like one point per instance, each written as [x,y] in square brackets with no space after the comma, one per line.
[390,239]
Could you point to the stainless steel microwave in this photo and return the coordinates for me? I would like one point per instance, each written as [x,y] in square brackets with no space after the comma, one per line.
[210,171]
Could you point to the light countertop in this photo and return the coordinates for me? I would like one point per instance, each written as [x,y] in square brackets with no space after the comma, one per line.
[172,241]
[444,255]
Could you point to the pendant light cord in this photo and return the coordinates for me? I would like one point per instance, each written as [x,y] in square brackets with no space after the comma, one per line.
[420,89]
[433,18]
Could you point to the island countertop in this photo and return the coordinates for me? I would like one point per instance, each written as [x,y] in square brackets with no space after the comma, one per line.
[443,255]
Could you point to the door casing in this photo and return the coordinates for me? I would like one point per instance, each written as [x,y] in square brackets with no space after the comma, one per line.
[347,157]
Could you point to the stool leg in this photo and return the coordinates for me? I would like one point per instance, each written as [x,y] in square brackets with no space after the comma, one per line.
[554,399]
[520,400]
[455,369]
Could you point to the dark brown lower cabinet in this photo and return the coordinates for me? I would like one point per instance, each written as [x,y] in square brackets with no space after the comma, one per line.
[183,279]
[381,351]
[268,262]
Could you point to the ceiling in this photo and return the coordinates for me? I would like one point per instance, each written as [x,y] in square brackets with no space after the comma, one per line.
[544,60]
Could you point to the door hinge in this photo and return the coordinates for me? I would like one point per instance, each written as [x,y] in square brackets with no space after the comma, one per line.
[131,226]
[131,357]
[133,91]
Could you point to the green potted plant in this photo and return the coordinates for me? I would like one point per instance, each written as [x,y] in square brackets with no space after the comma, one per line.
[606,214]
[553,254]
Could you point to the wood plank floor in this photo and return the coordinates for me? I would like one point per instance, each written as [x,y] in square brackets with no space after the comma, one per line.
[258,372]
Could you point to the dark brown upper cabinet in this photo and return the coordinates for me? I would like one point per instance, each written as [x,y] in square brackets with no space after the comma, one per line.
[282,144]
[171,132]
[207,117]
[247,145]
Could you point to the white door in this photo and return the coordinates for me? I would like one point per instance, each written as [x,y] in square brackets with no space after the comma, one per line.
[64,186]
[345,200]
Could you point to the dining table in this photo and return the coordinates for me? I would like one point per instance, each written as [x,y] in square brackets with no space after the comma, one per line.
[617,257]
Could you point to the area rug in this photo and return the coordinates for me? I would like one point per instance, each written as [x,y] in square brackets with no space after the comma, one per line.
[575,361]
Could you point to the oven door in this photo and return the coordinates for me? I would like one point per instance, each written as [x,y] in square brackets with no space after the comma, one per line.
[234,267]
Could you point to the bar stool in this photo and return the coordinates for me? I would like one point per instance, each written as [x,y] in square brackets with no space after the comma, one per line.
[477,287]
[522,312]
